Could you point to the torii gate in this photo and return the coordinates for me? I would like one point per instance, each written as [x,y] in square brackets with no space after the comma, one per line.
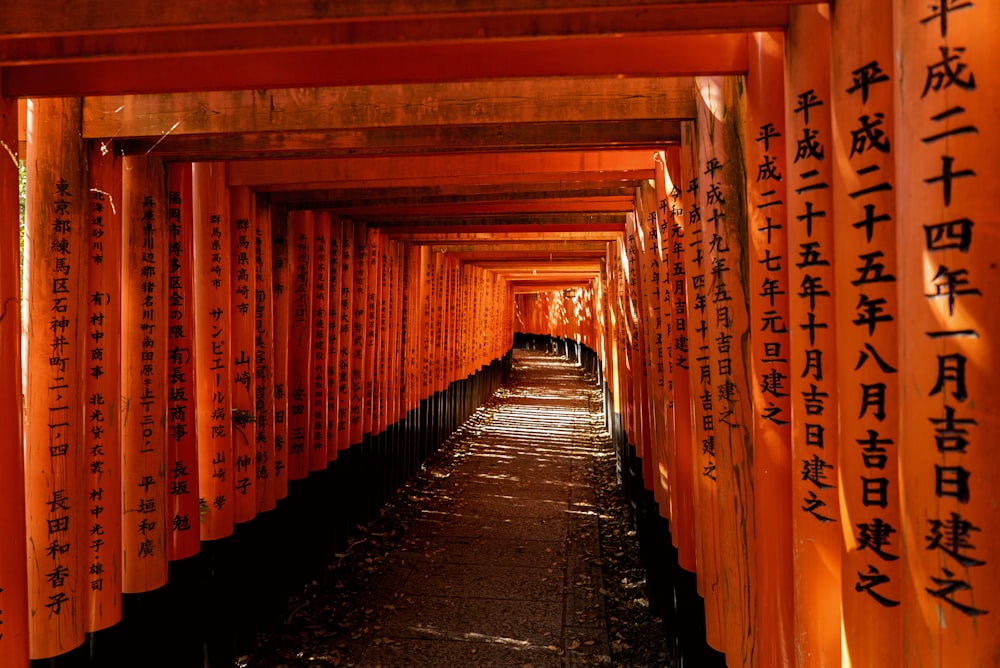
[769,221]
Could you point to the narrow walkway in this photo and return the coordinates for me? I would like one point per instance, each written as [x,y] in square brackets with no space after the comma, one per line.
[498,569]
[499,563]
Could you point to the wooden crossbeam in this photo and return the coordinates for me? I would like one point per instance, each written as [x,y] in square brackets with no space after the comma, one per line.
[354,64]
[493,168]
[166,118]
[599,135]
[445,192]
[145,27]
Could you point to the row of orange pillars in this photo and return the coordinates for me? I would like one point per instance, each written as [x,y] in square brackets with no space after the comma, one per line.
[794,334]
[217,393]
[797,337]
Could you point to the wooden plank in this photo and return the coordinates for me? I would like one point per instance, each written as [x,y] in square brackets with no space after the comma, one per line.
[603,55]
[474,104]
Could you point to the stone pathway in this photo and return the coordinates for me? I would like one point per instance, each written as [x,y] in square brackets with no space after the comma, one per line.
[502,565]
[490,557]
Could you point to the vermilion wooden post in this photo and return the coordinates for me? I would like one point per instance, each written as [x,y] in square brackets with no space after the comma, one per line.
[358,329]
[319,334]
[345,329]
[13,567]
[333,337]
[672,214]
[630,424]
[722,200]
[373,280]
[264,353]
[396,307]
[301,227]
[812,324]
[103,387]
[949,274]
[383,338]
[700,376]
[387,367]
[412,328]
[865,293]
[213,337]
[447,329]
[764,155]
[242,352]
[625,333]
[54,258]
[661,450]
[144,374]
[426,330]
[182,445]
[439,313]
[281,264]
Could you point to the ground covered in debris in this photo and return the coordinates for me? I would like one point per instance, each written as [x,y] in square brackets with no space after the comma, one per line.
[336,620]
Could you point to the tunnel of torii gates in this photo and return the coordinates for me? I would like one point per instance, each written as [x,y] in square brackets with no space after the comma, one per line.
[267,240]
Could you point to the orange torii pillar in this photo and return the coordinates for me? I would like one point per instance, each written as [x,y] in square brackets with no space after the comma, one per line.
[426,278]
[358,325]
[213,338]
[281,288]
[333,336]
[319,336]
[144,375]
[438,307]
[722,199]
[654,324]
[369,458]
[394,371]
[13,565]
[359,321]
[410,389]
[331,481]
[764,153]
[301,226]
[690,617]
[264,353]
[865,294]
[626,336]
[949,274]
[182,445]
[812,325]
[103,388]
[641,400]
[671,214]
[706,502]
[346,306]
[661,453]
[54,407]
[616,300]
[242,355]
